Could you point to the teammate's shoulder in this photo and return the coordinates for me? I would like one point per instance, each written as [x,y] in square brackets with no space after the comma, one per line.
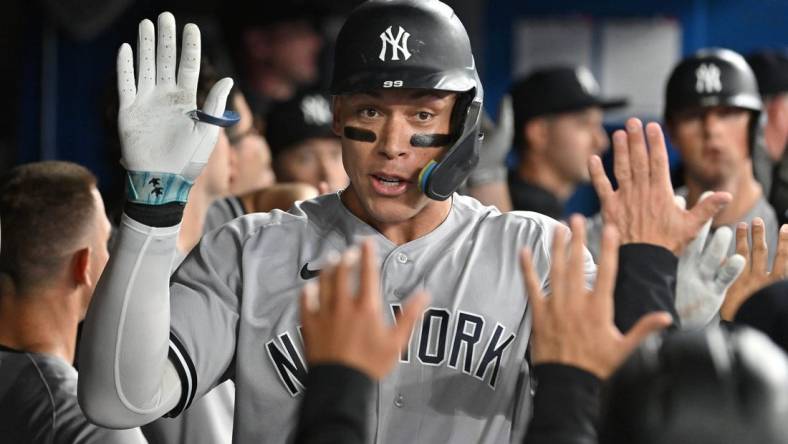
[302,215]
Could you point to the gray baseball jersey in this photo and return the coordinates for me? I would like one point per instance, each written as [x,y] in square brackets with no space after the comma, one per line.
[222,211]
[38,404]
[235,315]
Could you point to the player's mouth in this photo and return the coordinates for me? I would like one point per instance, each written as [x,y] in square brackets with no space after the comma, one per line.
[389,184]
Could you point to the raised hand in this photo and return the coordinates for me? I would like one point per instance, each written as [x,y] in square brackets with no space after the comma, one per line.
[342,326]
[704,274]
[574,326]
[163,148]
[756,273]
[642,208]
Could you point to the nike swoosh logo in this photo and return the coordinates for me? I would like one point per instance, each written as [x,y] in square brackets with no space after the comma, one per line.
[307,274]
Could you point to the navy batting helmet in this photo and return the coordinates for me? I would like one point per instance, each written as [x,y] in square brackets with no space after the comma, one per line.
[418,44]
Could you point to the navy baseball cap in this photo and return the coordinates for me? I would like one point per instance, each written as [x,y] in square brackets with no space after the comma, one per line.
[771,71]
[305,116]
[557,90]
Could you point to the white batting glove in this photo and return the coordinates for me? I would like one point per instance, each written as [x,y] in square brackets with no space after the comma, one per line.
[163,148]
[704,275]
[495,146]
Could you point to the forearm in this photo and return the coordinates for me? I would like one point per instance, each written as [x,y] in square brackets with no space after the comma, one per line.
[646,283]
[492,193]
[125,377]
[566,406]
[347,392]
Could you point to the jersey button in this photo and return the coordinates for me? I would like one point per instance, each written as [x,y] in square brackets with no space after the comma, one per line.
[401,258]
[399,401]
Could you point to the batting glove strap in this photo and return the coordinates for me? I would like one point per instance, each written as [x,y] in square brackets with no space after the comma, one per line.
[148,188]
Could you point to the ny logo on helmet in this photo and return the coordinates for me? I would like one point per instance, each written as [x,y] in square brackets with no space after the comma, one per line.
[707,79]
[399,44]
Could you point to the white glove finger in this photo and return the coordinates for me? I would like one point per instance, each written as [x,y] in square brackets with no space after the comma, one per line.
[146,67]
[729,271]
[125,66]
[506,119]
[217,97]
[189,69]
[165,50]
[680,201]
[716,251]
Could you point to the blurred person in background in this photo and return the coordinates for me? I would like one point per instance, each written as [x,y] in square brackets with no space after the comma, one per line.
[712,110]
[250,167]
[304,146]
[276,52]
[558,116]
[770,161]
[55,249]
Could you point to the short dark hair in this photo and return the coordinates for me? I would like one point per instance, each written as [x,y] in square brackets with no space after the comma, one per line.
[46,210]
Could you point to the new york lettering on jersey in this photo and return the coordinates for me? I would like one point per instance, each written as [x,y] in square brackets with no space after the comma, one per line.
[435,346]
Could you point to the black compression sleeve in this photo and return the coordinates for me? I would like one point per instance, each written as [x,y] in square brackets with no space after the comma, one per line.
[566,406]
[335,406]
[165,215]
[646,283]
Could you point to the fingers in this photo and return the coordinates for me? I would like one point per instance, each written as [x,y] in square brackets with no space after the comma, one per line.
[658,157]
[608,266]
[715,252]
[638,155]
[408,317]
[558,263]
[326,284]
[125,67]
[341,280]
[707,208]
[146,53]
[576,283]
[369,293]
[506,117]
[742,245]
[217,97]
[780,267]
[310,298]
[645,326]
[599,179]
[189,69]
[760,251]
[621,163]
[532,285]
[729,271]
[165,49]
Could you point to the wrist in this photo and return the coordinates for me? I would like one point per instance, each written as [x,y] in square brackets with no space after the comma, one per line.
[151,188]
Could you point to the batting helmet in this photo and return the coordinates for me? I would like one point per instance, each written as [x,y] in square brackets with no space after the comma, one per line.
[710,386]
[418,44]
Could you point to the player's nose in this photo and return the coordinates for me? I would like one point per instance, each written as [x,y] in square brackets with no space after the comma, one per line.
[395,138]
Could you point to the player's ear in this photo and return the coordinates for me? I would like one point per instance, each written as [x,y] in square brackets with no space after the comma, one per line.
[336,111]
[80,267]
[535,133]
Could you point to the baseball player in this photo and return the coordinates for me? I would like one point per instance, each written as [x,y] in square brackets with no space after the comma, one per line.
[56,234]
[303,146]
[558,114]
[407,105]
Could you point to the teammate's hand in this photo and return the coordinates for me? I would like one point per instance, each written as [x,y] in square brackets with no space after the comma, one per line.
[642,208]
[574,326]
[156,133]
[341,328]
[495,146]
[704,274]
[756,273]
